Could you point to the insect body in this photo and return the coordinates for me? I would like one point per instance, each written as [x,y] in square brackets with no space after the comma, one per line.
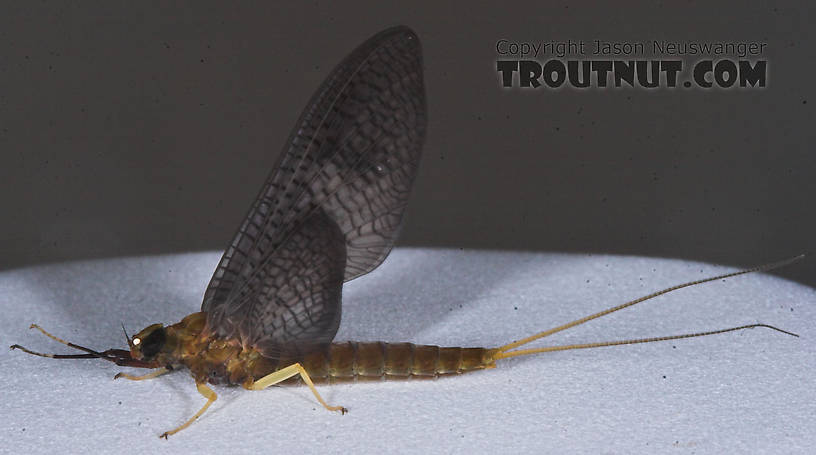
[329,212]
[220,361]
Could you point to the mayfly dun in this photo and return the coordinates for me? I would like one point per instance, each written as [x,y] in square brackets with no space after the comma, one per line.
[329,212]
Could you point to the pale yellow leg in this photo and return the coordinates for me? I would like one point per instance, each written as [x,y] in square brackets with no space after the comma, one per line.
[209,395]
[288,372]
[150,375]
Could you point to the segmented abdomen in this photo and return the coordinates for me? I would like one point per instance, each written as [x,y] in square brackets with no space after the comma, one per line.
[352,360]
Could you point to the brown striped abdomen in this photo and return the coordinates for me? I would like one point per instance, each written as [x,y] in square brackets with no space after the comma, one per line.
[352,360]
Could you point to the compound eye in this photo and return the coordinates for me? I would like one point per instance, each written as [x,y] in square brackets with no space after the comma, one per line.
[151,344]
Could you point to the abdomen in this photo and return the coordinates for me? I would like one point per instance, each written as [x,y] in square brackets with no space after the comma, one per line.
[352,361]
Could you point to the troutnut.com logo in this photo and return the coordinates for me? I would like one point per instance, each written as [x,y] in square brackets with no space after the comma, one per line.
[648,64]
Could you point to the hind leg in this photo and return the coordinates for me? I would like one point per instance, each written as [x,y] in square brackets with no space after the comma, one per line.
[286,373]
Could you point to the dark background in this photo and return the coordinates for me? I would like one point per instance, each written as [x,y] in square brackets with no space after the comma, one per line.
[133,128]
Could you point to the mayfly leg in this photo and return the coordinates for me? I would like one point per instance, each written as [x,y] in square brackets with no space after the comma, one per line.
[90,352]
[209,395]
[60,340]
[53,337]
[150,375]
[117,356]
[54,356]
[266,381]
[286,373]
[507,350]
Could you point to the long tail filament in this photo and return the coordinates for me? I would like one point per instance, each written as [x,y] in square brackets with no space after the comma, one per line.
[506,351]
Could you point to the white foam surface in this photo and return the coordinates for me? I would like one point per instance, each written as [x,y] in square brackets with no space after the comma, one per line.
[745,392]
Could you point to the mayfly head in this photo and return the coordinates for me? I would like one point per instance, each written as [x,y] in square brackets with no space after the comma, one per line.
[148,343]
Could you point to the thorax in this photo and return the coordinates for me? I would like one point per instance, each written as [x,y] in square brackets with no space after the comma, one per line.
[209,358]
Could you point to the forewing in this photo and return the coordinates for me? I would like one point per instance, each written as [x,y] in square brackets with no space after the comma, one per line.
[292,304]
[340,188]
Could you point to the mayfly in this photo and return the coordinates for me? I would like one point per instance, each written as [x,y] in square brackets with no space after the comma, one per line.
[329,212]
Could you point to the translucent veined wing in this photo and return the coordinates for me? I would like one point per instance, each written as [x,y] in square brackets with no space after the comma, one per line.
[332,206]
